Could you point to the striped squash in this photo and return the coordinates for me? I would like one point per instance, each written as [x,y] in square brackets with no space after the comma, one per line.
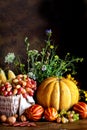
[34,112]
[81,108]
[50,114]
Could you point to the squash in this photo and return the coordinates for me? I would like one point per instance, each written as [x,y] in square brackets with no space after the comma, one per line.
[81,108]
[50,114]
[60,93]
[34,112]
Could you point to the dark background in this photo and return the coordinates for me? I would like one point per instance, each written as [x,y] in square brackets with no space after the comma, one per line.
[67,19]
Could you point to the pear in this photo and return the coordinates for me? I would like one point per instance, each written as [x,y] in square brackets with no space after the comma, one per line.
[11,75]
[2,76]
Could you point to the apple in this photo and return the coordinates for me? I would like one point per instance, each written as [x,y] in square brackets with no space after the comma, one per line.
[10,93]
[7,85]
[21,84]
[25,95]
[2,88]
[15,80]
[15,91]
[18,86]
[23,90]
[5,93]
[9,88]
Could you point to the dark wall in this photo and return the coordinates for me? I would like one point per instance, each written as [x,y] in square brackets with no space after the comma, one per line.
[18,19]
[67,19]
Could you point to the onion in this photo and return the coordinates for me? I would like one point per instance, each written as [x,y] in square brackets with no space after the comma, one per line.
[3,118]
[11,120]
[23,118]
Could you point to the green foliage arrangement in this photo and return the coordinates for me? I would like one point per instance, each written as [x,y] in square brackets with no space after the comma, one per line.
[44,63]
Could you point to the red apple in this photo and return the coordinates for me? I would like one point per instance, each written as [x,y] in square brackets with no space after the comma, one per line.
[2,88]
[30,91]
[19,90]
[25,95]
[5,93]
[10,93]
[7,85]
[23,90]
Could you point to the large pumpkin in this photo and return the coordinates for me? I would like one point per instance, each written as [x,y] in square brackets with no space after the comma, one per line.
[60,93]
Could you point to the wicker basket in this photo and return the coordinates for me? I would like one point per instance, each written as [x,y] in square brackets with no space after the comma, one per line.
[14,104]
[9,105]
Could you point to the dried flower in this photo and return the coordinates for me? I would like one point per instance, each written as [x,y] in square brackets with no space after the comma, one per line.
[45,63]
[9,58]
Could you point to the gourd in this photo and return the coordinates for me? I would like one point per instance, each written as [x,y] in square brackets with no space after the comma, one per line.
[81,108]
[34,112]
[60,93]
[50,114]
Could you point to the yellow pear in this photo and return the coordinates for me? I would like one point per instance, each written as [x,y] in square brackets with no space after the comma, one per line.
[11,75]
[2,76]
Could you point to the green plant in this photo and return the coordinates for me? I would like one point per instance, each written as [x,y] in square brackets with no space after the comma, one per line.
[44,63]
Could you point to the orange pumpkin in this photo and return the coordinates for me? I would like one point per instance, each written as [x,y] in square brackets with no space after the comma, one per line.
[60,93]
[34,112]
[81,108]
[50,114]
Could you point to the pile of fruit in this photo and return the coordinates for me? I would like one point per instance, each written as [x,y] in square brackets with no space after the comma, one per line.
[16,85]
[50,99]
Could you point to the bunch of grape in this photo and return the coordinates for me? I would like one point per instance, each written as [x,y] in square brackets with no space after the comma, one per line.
[21,84]
[67,116]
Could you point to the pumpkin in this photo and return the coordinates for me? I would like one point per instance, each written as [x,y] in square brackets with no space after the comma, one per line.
[34,112]
[60,93]
[50,114]
[81,108]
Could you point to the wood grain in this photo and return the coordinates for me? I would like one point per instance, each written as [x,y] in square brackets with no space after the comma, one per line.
[78,125]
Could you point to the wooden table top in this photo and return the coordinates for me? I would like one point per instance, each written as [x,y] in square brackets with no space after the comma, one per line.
[78,125]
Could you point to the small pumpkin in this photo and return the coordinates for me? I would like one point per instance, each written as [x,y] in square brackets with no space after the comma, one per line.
[34,112]
[60,93]
[81,108]
[50,114]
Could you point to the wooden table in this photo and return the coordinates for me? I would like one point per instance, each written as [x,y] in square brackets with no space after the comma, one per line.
[78,125]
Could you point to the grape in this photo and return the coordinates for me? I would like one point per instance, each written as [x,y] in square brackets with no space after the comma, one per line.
[62,112]
[67,116]
[71,120]
[59,119]
[64,120]
[70,115]
[73,112]
[76,117]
